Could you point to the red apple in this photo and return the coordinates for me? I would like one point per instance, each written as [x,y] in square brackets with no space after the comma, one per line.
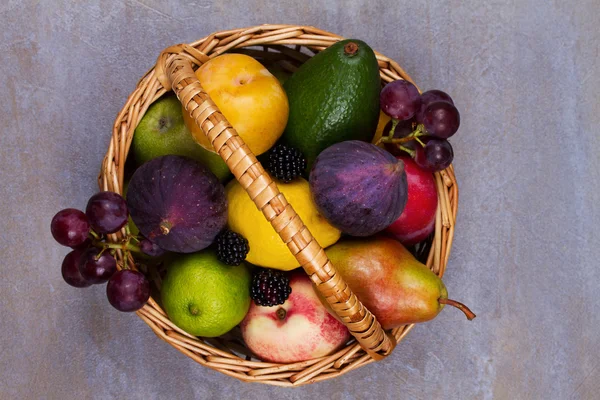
[299,329]
[417,221]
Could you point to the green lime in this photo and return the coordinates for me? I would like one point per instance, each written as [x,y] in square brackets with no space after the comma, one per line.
[204,296]
[162,131]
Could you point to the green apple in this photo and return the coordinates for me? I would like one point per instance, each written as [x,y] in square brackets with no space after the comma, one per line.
[162,132]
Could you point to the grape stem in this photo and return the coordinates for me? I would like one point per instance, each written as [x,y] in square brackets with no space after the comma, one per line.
[406,149]
[419,141]
[100,254]
[94,235]
[125,246]
[393,129]
[419,131]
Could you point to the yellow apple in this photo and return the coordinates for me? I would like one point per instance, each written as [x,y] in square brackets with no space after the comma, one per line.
[248,95]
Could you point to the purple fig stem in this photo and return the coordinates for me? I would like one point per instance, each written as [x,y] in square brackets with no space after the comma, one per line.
[165,227]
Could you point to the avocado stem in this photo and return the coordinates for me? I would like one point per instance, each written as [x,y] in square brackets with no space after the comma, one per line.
[470,315]
[351,48]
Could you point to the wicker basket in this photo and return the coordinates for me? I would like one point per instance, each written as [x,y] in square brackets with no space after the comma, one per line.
[289,46]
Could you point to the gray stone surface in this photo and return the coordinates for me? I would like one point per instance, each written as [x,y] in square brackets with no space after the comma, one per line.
[525,76]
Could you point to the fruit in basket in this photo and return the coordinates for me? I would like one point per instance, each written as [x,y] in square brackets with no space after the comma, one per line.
[284,163]
[270,287]
[162,132]
[333,97]
[429,97]
[204,296]
[420,126]
[97,266]
[132,228]
[248,95]
[266,247]
[70,270]
[107,212]
[70,227]
[177,203]
[417,221]
[400,99]
[231,247]
[438,114]
[359,188]
[390,282]
[436,155]
[441,119]
[299,329]
[128,290]
[150,248]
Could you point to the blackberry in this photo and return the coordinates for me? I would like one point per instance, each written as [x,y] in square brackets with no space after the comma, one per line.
[285,163]
[269,287]
[232,247]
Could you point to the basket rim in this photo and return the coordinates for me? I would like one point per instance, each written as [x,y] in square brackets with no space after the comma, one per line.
[210,352]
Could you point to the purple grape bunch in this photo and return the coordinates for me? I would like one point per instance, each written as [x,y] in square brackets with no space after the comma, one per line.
[91,260]
[422,123]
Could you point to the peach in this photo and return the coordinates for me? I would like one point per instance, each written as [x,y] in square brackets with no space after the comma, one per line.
[298,330]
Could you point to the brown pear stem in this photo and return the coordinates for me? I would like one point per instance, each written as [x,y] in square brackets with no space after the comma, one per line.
[470,315]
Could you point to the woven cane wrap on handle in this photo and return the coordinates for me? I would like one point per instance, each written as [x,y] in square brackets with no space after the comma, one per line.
[175,71]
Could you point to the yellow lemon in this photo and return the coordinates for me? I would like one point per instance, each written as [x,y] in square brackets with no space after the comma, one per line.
[266,247]
[248,95]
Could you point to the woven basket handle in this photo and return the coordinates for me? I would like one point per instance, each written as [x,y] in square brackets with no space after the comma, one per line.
[174,71]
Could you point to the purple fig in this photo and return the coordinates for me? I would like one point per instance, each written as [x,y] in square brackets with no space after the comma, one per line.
[177,203]
[358,187]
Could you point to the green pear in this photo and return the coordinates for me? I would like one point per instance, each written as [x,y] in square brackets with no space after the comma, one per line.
[162,131]
[390,282]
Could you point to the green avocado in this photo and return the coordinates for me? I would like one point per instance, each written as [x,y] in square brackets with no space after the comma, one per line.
[333,97]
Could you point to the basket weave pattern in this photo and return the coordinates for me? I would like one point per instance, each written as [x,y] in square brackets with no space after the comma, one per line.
[175,71]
